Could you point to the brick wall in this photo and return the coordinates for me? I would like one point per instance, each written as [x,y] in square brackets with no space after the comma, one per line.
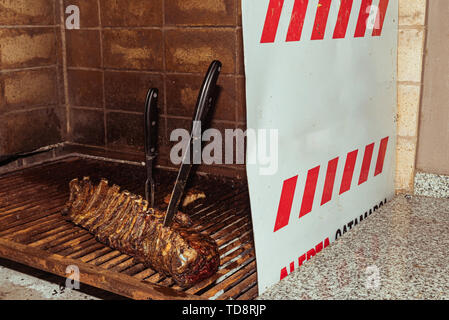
[32,105]
[126,46]
[412,32]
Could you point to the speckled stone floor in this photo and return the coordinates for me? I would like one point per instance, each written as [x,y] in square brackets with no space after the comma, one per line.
[432,185]
[19,282]
[400,252]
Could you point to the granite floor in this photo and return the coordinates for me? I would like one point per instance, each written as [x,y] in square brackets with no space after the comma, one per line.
[400,252]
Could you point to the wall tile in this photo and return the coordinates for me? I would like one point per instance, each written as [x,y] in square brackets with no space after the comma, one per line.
[26,12]
[126,131]
[60,85]
[26,89]
[408,109]
[410,53]
[182,95]
[241,99]
[192,50]
[26,131]
[87,126]
[85,88]
[405,164]
[412,12]
[200,12]
[83,48]
[128,90]
[240,54]
[131,13]
[133,49]
[27,47]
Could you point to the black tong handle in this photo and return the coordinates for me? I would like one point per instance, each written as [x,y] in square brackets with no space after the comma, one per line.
[202,109]
[150,116]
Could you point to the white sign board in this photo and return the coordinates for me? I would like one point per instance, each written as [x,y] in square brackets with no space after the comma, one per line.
[323,73]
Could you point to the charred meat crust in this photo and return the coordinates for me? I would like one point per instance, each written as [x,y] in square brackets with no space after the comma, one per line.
[190,197]
[124,222]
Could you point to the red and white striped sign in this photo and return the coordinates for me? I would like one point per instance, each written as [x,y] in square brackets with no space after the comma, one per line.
[322,73]
[289,185]
[299,12]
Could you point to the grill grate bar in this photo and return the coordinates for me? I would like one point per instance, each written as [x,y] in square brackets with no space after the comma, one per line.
[53,235]
[70,248]
[97,252]
[135,269]
[250,293]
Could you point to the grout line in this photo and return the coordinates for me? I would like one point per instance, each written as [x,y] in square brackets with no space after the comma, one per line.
[166,117]
[164,76]
[58,47]
[29,68]
[33,108]
[412,27]
[102,73]
[164,26]
[237,63]
[64,66]
[410,83]
[411,139]
[157,73]
[26,26]
[87,108]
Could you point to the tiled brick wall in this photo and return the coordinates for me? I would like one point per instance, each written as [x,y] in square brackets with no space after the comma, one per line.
[32,111]
[126,46]
[412,32]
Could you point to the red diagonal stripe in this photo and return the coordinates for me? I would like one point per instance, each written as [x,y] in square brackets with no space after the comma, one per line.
[364,172]
[309,191]
[284,273]
[292,266]
[285,203]
[363,17]
[322,14]
[383,6]
[329,182]
[343,19]
[272,21]
[381,156]
[297,20]
[348,171]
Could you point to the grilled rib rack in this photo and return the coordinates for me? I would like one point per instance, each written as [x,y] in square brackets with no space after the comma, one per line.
[33,231]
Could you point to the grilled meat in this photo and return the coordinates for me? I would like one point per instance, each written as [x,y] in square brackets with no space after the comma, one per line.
[124,222]
[191,196]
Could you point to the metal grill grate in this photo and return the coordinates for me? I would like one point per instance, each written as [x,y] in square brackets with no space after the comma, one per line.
[33,232]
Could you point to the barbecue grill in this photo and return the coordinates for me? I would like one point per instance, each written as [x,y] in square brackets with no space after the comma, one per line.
[33,231]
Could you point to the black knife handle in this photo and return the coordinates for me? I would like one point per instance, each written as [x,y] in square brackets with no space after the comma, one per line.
[204,104]
[202,108]
[207,91]
[151,116]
